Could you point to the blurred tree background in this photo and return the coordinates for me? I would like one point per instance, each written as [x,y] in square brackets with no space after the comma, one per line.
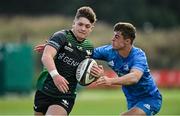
[157,22]
[159,13]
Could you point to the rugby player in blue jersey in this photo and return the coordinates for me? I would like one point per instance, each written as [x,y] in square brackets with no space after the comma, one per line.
[130,64]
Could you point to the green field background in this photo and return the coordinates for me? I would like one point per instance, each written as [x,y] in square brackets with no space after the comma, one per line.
[90,102]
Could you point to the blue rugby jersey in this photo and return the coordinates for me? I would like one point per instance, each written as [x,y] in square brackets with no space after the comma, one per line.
[136,59]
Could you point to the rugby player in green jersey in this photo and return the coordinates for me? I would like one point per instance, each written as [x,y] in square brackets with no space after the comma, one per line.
[65,49]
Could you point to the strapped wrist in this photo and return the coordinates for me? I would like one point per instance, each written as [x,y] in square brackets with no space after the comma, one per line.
[53,73]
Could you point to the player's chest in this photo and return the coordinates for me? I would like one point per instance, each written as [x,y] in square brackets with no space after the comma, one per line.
[73,52]
[121,66]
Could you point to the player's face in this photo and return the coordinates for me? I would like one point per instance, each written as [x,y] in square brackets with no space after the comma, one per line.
[118,41]
[82,28]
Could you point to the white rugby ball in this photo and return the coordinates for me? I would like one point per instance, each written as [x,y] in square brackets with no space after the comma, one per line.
[83,72]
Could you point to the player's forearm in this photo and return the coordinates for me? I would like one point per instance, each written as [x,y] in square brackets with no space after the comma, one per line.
[128,79]
[48,62]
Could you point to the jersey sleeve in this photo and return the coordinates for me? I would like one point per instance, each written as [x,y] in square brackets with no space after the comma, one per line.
[100,53]
[140,62]
[57,40]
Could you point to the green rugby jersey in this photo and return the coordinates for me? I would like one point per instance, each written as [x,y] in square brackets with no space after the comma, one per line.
[70,53]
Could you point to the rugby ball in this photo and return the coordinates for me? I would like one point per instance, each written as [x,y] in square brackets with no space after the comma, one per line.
[83,72]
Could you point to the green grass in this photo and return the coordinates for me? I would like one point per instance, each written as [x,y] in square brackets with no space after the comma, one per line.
[90,102]
[99,102]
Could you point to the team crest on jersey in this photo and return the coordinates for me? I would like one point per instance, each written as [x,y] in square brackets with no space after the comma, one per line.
[88,52]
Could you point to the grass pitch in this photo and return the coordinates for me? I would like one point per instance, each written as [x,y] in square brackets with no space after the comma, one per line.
[90,102]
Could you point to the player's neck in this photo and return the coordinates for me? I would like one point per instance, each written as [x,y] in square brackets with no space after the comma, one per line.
[125,51]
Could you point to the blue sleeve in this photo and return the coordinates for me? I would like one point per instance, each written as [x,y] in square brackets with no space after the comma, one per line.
[100,53]
[140,62]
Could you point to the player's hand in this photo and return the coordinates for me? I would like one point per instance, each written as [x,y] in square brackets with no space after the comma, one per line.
[40,48]
[61,83]
[104,80]
[97,71]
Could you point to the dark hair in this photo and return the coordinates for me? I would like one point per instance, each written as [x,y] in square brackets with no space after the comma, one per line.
[86,12]
[126,29]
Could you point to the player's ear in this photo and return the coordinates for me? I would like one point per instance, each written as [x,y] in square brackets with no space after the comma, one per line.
[92,27]
[128,40]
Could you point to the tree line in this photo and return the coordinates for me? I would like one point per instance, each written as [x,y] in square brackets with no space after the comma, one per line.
[156,13]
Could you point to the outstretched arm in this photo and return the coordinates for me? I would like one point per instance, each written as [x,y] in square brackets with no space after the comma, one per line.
[40,48]
[128,79]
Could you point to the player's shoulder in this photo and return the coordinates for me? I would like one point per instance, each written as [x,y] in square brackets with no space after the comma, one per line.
[60,33]
[87,41]
[57,38]
[105,48]
[138,51]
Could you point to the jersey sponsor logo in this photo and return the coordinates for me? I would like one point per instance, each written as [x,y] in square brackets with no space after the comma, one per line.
[68,60]
[68,48]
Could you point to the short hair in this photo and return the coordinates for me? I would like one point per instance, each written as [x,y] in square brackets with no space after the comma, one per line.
[126,29]
[86,12]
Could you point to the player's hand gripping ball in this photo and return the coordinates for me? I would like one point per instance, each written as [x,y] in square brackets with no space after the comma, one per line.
[83,75]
